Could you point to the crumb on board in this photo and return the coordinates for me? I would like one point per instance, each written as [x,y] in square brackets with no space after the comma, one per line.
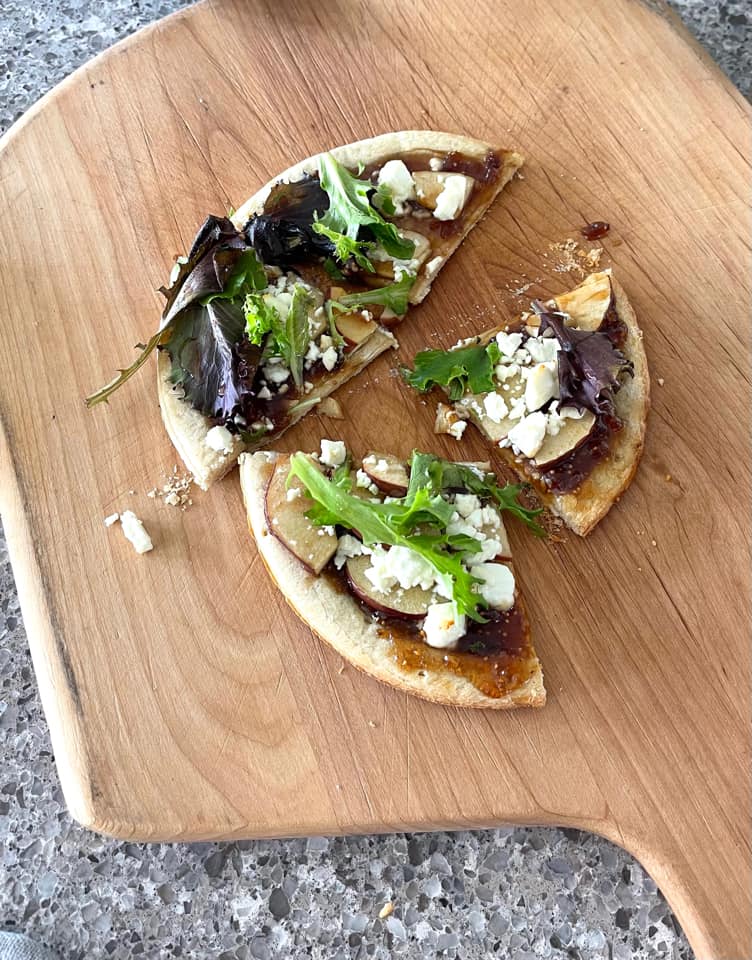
[387,910]
[570,257]
[329,407]
[113,518]
[660,381]
[654,543]
[175,491]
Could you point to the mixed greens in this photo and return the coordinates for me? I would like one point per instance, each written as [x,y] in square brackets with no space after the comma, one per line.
[461,369]
[419,520]
[218,327]
[589,365]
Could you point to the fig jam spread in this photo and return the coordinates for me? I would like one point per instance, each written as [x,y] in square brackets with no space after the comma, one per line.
[595,230]
[571,471]
[496,657]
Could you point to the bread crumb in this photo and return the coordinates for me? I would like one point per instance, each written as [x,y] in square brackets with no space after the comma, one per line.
[330,407]
[341,668]
[176,490]
[371,723]
[387,910]
[668,478]
[660,381]
[654,543]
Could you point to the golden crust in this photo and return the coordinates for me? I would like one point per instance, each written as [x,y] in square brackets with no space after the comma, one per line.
[337,619]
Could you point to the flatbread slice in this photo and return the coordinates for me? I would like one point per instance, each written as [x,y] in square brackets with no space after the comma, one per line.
[579,454]
[274,309]
[496,669]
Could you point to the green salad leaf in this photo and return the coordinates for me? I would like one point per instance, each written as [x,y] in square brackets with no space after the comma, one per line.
[288,338]
[444,475]
[350,209]
[460,370]
[247,275]
[419,520]
[393,295]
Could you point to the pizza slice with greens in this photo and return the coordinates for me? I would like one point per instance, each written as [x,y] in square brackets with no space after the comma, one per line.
[404,568]
[276,307]
[562,393]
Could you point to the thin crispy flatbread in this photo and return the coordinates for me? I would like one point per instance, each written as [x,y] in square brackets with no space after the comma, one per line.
[335,616]
[187,428]
[585,507]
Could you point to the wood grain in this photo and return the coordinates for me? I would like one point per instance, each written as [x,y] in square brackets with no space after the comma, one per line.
[183,697]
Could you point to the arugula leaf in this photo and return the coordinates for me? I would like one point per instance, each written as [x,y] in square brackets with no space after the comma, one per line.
[460,370]
[330,265]
[384,523]
[458,476]
[350,209]
[394,296]
[432,474]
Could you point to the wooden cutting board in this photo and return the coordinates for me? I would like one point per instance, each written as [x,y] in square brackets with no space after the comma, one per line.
[184,699]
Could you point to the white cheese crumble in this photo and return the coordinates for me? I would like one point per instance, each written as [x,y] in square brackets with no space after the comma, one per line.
[397,178]
[276,372]
[497,588]
[528,435]
[219,438]
[457,429]
[329,358]
[348,546]
[508,343]
[542,349]
[452,199]
[433,266]
[399,566]
[363,480]
[435,164]
[443,626]
[466,503]
[293,493]
[495,407]
[264,393]
[135,532]
[542,385]
[489,550]
[333,452]
[113,518]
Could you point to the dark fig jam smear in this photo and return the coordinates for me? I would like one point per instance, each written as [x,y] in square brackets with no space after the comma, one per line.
[496,657]
[595,230]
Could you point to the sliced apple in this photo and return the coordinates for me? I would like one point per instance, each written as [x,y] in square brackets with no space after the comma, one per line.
[586,305]
[286,518]
[571,435]
[409,604]
[474,407]
[354,327]
[389,473]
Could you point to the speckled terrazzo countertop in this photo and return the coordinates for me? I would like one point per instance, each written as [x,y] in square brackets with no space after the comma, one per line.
[523,893]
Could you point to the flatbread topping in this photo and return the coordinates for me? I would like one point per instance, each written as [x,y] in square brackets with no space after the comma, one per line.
[420,548]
